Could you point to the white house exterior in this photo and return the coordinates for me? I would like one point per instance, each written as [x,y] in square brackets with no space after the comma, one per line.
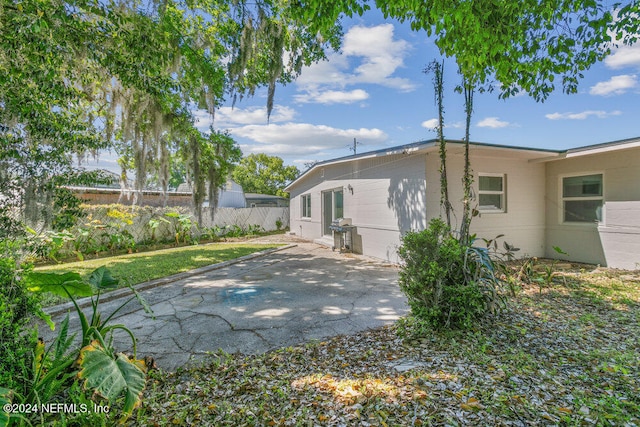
[585,201]
[230,195]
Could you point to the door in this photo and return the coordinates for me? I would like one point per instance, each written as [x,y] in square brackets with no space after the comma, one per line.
[332,208]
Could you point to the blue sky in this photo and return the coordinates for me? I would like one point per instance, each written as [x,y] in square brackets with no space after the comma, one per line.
[374,90]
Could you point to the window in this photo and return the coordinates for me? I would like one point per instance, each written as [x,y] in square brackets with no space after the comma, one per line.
[582,198]
[491,193]
[306,206]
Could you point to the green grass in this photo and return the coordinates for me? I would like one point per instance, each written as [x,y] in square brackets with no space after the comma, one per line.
[142,267]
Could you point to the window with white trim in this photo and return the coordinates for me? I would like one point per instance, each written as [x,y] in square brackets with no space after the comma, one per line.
[491,192]
[306,206]
[582,198]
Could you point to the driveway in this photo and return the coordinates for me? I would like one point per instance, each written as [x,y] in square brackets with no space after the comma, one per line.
[299,294]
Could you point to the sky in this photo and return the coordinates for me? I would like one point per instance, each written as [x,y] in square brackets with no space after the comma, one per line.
[374,90]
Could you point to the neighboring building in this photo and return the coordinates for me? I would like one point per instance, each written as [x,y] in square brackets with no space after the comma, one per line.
[255,200]
[585,200]
[106,196]
[229,196]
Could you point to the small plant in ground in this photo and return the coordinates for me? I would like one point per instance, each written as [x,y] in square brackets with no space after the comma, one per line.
[254,229]
[153,225]
[278,224]
[544,277]
[52,243]
[96,366]
[182,224]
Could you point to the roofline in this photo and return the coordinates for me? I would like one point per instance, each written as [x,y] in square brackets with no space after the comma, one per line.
[553,155]
[587,150]
[411,148]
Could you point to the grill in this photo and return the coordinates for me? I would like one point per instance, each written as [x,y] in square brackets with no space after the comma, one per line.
[342,234]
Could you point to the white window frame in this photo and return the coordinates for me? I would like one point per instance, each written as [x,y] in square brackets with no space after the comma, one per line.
[503,193]
[563,199]
[303,199]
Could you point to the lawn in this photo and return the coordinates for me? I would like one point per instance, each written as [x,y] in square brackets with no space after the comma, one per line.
[565,354]
[142,267]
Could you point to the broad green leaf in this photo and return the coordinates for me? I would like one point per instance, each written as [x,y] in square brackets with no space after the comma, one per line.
[57,283]
[111,377]
[559,250]
[101,278]
[47,318]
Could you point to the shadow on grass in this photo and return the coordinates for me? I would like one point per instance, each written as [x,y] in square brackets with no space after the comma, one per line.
[139,268]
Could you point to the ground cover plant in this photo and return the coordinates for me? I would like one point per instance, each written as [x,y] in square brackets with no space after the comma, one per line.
[68,370]
[566,354]
[141,267]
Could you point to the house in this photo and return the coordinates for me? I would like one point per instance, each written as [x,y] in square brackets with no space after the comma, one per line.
[230,195]
[107,196]
[585,201]
[255,200]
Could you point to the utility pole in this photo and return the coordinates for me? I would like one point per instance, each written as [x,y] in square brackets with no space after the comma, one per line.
[355,144]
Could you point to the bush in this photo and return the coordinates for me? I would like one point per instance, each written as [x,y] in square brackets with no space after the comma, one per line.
[447,284]
[17,337]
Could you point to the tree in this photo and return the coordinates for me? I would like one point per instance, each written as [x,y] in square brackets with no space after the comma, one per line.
[79,76]
[521,46]
[210,159]
[261,173]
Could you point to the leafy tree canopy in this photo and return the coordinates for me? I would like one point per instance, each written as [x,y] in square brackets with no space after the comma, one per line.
[513,46]
[78,76]
[264,174]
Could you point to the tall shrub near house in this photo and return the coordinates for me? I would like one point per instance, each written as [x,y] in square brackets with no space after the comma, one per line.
[449,284]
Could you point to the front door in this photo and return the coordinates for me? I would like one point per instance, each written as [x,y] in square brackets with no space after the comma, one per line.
[332,208]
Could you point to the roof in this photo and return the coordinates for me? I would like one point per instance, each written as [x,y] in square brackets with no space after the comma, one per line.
[262,196]
[427,145]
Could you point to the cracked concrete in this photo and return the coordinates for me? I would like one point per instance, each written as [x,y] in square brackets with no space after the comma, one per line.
[302,293]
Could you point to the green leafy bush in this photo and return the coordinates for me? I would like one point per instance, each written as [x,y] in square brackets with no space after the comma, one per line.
[17,338]
[448,284]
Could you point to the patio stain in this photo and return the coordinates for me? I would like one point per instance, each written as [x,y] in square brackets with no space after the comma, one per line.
[241,296]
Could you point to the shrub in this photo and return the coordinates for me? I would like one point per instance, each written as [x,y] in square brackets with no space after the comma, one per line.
[17,337]
[448,284]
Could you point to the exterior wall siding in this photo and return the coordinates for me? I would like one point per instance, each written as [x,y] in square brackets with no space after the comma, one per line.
[583,242]
[388,198]
[396,193]
[523,221]
[620,234]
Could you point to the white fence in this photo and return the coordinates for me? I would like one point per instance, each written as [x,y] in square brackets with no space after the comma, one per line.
[266,217]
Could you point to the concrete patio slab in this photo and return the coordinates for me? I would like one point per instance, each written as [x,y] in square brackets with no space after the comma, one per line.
[283,298]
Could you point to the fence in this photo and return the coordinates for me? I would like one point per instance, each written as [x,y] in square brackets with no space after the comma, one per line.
[146,223]
[265,217]
[116,227]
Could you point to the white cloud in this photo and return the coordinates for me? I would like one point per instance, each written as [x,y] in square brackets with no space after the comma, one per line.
[617,85]
[227,116]
[332,97]
[302,138]
[624,56]
[492,122]
[582,115]
[374,54]
[432,124]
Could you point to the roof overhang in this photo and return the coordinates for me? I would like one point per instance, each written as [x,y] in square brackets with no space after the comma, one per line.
[590,150]
[536,155]
[413,148]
